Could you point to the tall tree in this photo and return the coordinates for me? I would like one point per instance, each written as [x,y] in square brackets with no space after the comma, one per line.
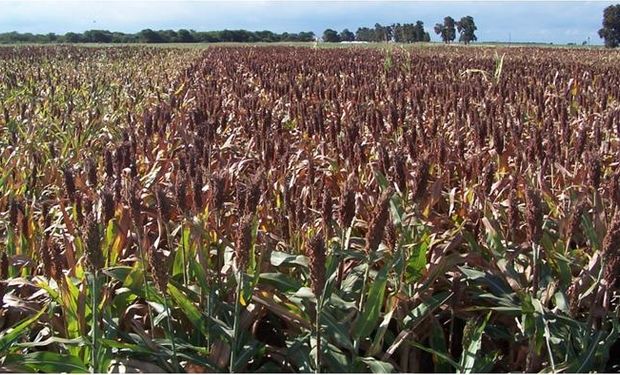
[418,31]
[382,33]
[446,30]
[347,36]
[611,26]
[466,27]
[364,34]
[330,35]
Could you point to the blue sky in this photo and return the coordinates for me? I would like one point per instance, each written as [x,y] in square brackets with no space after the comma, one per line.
[550,21]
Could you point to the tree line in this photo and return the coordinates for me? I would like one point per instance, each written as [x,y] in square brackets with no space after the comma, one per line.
[408,32]
[159,36]
[405,33]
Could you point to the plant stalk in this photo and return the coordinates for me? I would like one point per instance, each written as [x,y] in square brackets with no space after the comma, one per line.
[175,360]
[233,347]
[93,355]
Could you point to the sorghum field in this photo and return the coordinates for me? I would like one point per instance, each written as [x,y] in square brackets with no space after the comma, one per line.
[293,209]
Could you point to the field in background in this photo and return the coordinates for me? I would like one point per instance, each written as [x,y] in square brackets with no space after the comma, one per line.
[300,209]
[321,45]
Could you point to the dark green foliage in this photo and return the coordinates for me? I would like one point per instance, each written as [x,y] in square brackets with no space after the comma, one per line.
[331,36]
[466,27]
[611,26]
[447,30]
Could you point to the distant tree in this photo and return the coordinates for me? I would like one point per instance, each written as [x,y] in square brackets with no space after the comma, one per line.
[160,36]
[306,36]
[408,32]
[98,36]
[364,34]
[347,36]
[382,33]
[331,36]
[446,30]
[611,26]
[72,38]
[123,38]
[418,31]
[150,36]
[466,27]
[185,36]
[398,32]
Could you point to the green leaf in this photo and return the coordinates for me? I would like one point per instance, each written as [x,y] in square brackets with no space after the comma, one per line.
[9,336]
[417,259]
[49,362]
[188,308]
[381,330]
[376,366]
[279,258]
[416,315]
[438,354]
[338,361]
[283,282]
[472,342]
[337,330]
[366,322]
[437,341]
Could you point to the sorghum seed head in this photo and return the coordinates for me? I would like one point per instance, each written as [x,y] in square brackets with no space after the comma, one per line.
[575,220]
[159,263]
[4,266]
[316,252]
[594,173]
[400,171]
[422,176]
[347,207]
[376,228]
[94,255]
[56,260]
[135,202]
[197,187]
[244,242]
[533,215]
[69,182]
[109,164]
[219,186]
[163,204]
[391,235]
[13,212]
[107,205]
[488,176]
[91,170]
[611,250]
[253,195]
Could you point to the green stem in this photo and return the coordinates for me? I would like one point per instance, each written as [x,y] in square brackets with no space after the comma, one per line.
[175,360]
[184,259]
[233,347]
[340,276]
[93,355]
[361,302]
[145,281]
[319,307]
